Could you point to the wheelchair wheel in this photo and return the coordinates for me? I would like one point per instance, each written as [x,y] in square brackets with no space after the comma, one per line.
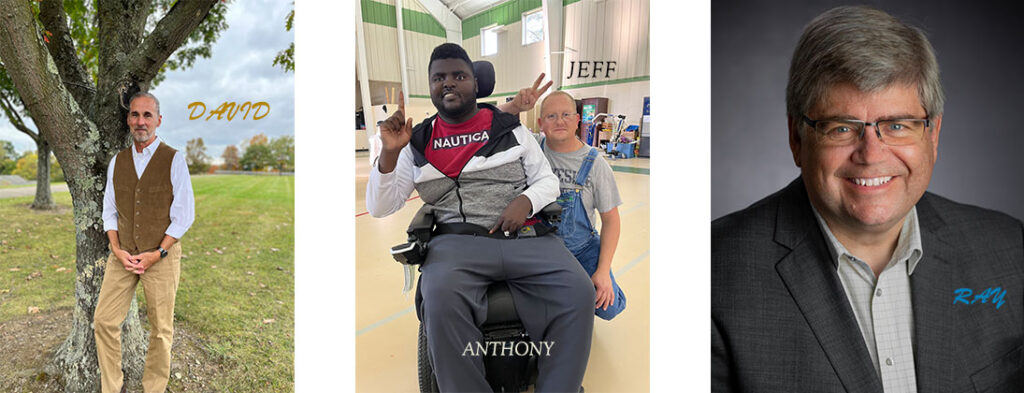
[428,381]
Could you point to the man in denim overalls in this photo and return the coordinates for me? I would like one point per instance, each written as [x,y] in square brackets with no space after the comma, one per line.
[587,183]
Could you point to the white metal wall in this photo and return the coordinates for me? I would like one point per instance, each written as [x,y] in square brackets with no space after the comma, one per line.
[617,30]
[515,66]
[418,47]
[382,52]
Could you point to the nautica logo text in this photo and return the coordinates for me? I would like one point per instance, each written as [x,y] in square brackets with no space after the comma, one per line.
[453,141]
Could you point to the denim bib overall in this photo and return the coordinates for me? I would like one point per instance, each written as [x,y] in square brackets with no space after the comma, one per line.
[580,237]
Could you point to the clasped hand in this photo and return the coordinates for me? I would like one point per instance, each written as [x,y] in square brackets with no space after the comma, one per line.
[137,264]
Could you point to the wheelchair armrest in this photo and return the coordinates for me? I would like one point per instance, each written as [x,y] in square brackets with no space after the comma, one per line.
[552,212]
[424,219]
[415,251]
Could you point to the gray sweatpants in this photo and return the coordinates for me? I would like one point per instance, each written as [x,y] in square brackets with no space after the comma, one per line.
[553,295]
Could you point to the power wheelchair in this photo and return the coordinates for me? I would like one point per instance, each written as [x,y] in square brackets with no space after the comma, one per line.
[503,373]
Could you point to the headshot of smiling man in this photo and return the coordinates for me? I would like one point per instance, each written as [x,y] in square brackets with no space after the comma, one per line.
[854,277]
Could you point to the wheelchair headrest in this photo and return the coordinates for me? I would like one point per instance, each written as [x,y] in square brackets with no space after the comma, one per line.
[484,72]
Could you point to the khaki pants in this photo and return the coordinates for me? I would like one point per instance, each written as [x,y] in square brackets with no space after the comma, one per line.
[159,283]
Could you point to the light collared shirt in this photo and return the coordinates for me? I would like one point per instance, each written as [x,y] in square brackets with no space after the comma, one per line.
[183,207]
[882,305]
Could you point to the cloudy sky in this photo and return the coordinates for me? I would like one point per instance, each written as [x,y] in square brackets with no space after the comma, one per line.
[240,70]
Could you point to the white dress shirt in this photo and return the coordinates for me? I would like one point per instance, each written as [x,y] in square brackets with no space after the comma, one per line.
[183,208]
[882,304]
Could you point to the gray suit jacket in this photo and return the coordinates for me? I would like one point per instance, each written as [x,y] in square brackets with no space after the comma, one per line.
[781,321]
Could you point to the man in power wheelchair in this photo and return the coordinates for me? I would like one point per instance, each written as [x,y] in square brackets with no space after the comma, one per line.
[484,176]
[510,359]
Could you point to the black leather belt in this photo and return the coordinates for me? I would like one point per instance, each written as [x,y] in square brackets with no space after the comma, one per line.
[462,228]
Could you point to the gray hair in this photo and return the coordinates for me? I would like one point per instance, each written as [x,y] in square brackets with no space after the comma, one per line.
[145,94]
[867,48]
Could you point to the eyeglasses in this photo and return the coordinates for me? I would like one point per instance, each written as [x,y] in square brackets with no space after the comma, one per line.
[564,116]
[896,132]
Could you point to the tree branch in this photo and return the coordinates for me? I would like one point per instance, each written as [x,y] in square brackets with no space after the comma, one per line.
[15,118]
[169,34]
[62,48]
[36,79]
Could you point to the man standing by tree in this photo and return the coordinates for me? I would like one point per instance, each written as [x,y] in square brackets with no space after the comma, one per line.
[76,86]
[143,227]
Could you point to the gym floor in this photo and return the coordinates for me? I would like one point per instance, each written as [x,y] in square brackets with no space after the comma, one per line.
[386,324]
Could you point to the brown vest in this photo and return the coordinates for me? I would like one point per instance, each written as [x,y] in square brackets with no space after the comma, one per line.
[143,205]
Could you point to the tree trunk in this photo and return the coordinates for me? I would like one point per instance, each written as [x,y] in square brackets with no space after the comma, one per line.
[75,360]
[78,145]
[85,137]
[44,199]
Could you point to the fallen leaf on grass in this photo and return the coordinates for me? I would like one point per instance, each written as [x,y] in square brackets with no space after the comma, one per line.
[13,269]
[33,275]
[249,273]
[266,321]
[5,290]
[274,249]
[61,269]
[18,230]
[252,293]
[213,266]
[217,250]
[262,285]
[280,302]
[54,256]
[177,375]
[33,310]
[208,253]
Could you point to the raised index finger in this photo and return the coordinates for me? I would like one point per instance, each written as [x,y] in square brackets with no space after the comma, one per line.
[537,82]
[401,101]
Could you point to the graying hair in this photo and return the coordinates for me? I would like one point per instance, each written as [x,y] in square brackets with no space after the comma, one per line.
[145,94]
[867,48]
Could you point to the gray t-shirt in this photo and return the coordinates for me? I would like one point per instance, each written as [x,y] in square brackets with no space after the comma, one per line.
[599,192]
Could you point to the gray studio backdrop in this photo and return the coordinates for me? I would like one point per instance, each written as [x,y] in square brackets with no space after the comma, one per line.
[980,50]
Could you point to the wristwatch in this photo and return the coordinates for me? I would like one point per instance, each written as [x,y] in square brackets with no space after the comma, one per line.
[163,253]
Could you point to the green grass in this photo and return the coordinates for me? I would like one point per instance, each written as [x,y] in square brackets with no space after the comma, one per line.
[28,185]
[33,246]
[237,274]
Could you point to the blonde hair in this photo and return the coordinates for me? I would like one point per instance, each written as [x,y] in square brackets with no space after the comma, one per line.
[561,93]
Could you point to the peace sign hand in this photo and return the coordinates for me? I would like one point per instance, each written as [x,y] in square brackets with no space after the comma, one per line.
[528,96]
[396,131]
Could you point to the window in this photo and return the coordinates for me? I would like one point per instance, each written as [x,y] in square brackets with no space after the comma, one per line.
[533,27]
[489,40]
